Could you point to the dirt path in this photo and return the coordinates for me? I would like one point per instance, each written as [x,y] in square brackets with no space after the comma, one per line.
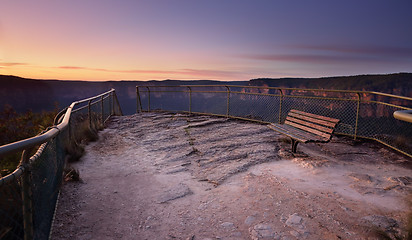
[151,176]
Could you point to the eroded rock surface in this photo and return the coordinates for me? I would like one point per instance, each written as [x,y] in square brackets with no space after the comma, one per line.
[174,176]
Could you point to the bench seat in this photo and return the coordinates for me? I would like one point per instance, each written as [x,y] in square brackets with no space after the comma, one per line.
[306,127]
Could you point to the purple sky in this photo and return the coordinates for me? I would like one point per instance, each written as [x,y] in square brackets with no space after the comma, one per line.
[222,40]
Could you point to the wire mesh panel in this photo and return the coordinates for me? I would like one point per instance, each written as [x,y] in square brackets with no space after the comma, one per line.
[95,118]
[209,99]
[106,104]
[255,103]
[376,121]
[79,124]
[142,99]
[172,98]
[46,177]
[11,211]
[116,109]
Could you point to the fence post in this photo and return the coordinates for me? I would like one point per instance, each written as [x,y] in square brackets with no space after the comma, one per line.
[280,105]
[102,109]
[148,102]
[137,99]
[70,130]
[139,107]
[27,197]
[89,113]
[118,105]
[190,100]
[112,105]
[357,116]
[228,101]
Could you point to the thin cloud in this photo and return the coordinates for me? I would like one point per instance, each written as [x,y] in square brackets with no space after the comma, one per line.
[331,54]
[146,71]
[206,72]
[303,58]
[72,68]
[188,72]
[11,64]
[390,51]
[83,68]
[118,71]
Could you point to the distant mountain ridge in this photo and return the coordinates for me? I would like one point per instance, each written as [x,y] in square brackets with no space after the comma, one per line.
[38,95]
[397,83]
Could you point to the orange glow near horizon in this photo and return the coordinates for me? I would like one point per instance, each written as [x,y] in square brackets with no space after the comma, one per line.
[99,74]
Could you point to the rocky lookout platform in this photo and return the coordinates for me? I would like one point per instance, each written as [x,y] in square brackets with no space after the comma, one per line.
[175,176]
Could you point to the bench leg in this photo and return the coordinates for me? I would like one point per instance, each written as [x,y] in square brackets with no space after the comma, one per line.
[294,145]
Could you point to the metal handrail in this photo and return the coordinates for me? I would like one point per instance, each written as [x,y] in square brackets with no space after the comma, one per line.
[54,130]
[404,115]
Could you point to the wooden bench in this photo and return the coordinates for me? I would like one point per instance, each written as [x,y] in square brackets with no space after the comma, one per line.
[306,127]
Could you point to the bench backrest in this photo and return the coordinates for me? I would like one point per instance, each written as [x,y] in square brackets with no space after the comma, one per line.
[319,125]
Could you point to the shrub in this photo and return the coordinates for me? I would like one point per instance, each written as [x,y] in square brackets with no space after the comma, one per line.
[15,127]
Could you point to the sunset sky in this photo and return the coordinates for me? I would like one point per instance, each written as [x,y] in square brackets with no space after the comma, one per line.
[209,39]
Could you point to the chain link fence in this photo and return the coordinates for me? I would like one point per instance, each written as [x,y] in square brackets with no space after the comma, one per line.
[28,196]
[367,115]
